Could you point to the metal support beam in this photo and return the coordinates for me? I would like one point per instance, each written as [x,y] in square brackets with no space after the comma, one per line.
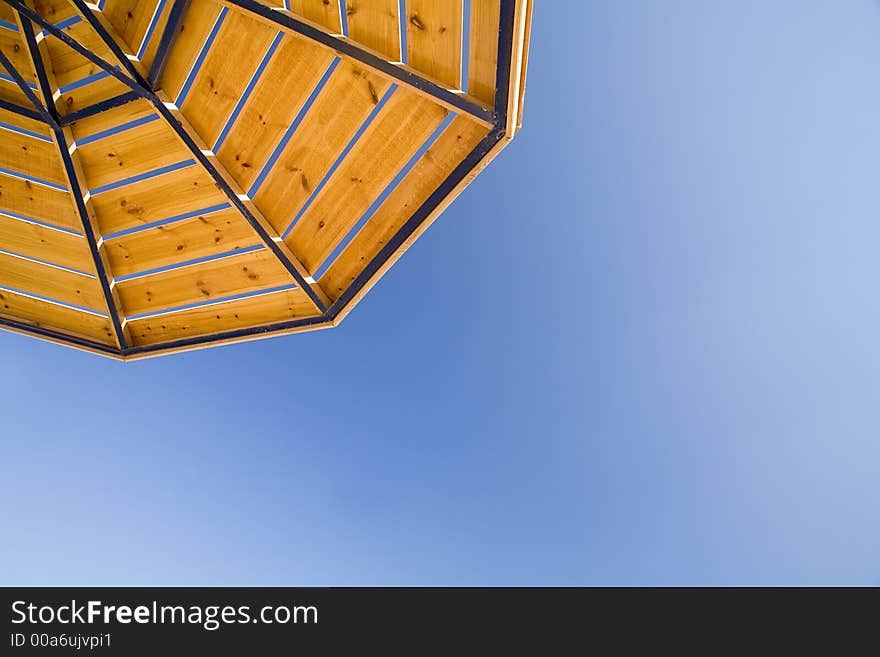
[21,111]
[504,60]
[97,108]
[415,221]
[56,336]
[466,169]
[314,322]
[458,175]
[244,205]
[400,73]
[22,83]
[168,34]
[76,191]
[259,224]
[27,29]
[142,89]
[103,28]
[37,55]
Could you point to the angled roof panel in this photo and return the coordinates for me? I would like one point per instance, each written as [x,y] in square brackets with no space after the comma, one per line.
[178,174]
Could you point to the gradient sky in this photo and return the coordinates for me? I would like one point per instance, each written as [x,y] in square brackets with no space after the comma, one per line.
[641,349]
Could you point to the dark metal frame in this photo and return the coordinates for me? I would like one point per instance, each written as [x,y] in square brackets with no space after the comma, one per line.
[28,92]
[70,170]
[49,113]
[350,49]
[42,75]
[21,111]
[140,87]
[171,27]
[143,88]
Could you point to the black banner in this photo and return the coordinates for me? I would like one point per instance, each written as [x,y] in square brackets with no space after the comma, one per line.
[170,621]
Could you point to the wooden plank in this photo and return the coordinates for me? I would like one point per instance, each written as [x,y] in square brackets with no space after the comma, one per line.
[156,199]
[112,118]
[375,24]
[90,94]
[201,236]
[99,252]
[456,142]
[78,73]
[153,43]
[7,13]
[64,141]
[11,118]
[451,106]
[31,156]
[232,60]
[12,45]
[66,59]
[397,133]
[434,39]
[207,281]
[11,92]
[289,79]
[215,318]
[249,210]
[54,10]
[130,153]
[35,241]
[483,60]
[59,318]
[425,223]
[197,22]
[131,18]
[27,199]
[343,105]
[45,281]
[322,12]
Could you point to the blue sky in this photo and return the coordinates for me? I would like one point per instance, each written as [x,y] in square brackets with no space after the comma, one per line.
[640,349]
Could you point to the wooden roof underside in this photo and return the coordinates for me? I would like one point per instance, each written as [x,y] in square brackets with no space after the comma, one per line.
[178,174]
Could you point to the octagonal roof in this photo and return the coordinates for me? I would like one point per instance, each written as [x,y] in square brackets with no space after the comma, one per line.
[176,174]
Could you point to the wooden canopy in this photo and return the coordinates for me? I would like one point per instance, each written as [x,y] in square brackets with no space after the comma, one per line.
[175,174]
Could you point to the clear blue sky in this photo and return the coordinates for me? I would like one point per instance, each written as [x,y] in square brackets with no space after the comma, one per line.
[641,349]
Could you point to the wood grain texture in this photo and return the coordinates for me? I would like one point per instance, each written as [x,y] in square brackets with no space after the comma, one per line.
[156,199]
[396,134]
[434,39]
[342,106]
[451,147]
[90,94]
[11,92]
[205,235]
[322,12]
[42,243]
[130,153]
[131,18]
[290,77]
[155,39]
[31,156]
[45,281]
[12,45]
[194,29]
[483,61]
[59,318]
[238,49]
[211,280]
[112,118]
[27,199]
[11,118]
[375,24]
[215,318]
[325,220]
